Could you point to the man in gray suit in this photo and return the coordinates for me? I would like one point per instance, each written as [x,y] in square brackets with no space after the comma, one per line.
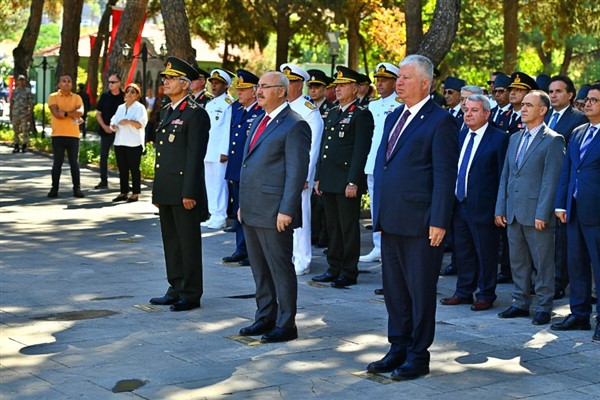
[525,203]
[274,169]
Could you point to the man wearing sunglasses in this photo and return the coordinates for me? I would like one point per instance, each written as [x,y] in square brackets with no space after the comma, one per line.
[452,88]
[500,95]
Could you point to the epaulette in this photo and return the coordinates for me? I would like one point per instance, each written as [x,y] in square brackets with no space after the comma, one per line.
[310,105]
[398,100]
[193,104]
[228,100]
[362,107]
[166,105]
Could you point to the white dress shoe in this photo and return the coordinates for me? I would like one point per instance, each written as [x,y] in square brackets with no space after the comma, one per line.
[305,271]
[216,225]
[373,256]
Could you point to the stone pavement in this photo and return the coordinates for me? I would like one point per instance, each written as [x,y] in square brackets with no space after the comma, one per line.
[76,276]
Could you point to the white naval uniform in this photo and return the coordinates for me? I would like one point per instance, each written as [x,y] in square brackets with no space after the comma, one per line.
[219,111]
[380,109]
[302,253]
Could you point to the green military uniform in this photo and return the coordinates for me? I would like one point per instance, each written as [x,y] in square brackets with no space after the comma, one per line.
[21,106]
[344,148]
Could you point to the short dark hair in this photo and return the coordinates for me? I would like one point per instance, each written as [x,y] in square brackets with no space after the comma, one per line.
[117,75]
[595,86]
[567,81]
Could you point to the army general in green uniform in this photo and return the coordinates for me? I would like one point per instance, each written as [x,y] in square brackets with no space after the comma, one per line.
[179,191]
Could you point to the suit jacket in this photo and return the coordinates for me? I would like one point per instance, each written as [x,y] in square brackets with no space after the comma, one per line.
[345,146]
[181,141]
[586,172]
[527,193]
[571,119]
[414,189]
[274,171]
[507,124]
[484,174]
[241,120]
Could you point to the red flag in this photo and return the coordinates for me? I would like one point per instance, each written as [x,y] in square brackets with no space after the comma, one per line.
[136,50]
[88,88]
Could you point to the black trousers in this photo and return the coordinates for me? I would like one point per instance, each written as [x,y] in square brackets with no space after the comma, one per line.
[106,142]
[343,227]
[182,244]
[60,144]
[128,161]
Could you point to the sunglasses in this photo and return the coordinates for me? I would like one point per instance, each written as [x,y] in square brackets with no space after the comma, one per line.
[449,91]
[500,91]
[132,91]
[113,82]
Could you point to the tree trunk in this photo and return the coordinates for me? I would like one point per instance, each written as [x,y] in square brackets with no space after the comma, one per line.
[23,53]
[68,58]
[353,41]
[283,30]
[129,27]
[436,43]
[566,59]
[177,30]
[413,9]
[94,62]
[510,9]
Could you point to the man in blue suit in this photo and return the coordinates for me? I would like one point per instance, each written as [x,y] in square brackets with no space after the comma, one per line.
[244,111]
[415,177]
[562,118]
[476,237]
[577,201]
[274,169]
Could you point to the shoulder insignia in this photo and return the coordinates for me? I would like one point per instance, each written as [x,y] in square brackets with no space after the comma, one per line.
[310,105]
[228,100]
[166,105]
[193,104]
[362,108]
[398,100]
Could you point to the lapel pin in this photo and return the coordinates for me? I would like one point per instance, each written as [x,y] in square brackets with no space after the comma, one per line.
[422,116]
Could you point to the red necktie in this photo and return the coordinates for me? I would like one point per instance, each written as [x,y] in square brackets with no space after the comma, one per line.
[259,131]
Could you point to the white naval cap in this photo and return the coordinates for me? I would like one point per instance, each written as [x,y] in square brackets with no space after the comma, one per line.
[386,70]
[294,72]
[220,75]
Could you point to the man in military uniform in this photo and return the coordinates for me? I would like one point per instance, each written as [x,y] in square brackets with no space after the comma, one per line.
[452,87]
[520,85]
[215,162]
[386,75]
[21,107]
[500,94]
[317,85]
[199,93]
[364,87]
[341,180]
[302,254]
[244,111]
[434,94]
[178,190]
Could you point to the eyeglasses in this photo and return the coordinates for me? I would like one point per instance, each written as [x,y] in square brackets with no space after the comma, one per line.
[592,100]
[132,91]
[499,91]
[449,91]
[113,82]
[268,86]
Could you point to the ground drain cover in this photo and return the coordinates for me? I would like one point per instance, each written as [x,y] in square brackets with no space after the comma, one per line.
[148,308]
[110,298]
[241,296]
[76,315]
[128,385]
[381,379]
[248,341]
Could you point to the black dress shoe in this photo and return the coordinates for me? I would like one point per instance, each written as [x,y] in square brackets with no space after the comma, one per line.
[245,262]
[184,305]
[278,334]
[501,278]
[378,292]
[165,300]
[102,185]
[326,277]
[260,327]
[541,318]
[559,293]
[235,257]
[597,332]
[408,370]
[449,270]
[390,362]
[513,312]
[229,229]
[572,323]
[342,282]
[53,193]
[121,197]
[78,193]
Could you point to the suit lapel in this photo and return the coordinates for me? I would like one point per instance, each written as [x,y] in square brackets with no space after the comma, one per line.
[484,142]
[594,143]
[541,135]
[273,124]
[412,127]
[174,114]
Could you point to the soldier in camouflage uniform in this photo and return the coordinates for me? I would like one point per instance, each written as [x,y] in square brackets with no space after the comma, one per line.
[21,106]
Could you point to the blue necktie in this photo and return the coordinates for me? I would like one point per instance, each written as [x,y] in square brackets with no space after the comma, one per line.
[523,149]
[589,136]
[462,171]
[554,120]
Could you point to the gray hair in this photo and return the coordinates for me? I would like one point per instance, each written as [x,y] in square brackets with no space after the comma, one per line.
[423,64]
[472,88]
[283,81]
[544,98]
[485,103]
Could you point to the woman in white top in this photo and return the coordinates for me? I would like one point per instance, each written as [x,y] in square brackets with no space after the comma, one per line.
[129,122]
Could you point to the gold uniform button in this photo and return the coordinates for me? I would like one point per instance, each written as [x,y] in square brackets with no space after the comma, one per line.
[157,165]
[163,131]
[326,147]
[324,155]
[332,128]
[239,126]
[345,163]
[161,142]
[232,152]
[328,138]
[157,154]
[233,143]
[236,134]
[180,172]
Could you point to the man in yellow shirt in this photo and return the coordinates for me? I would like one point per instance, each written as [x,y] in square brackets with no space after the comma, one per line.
[66,108]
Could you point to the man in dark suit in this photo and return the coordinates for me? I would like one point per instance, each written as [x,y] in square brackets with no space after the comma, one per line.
[178,190]
[483,149]
[577,201]
[562,118]
[415,178]
[340,178]
[274,169]
[244,111]
[526,203]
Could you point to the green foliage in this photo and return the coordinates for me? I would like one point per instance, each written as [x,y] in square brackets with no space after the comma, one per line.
[147,163]
[49,35]
[92,124]
[37,112]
